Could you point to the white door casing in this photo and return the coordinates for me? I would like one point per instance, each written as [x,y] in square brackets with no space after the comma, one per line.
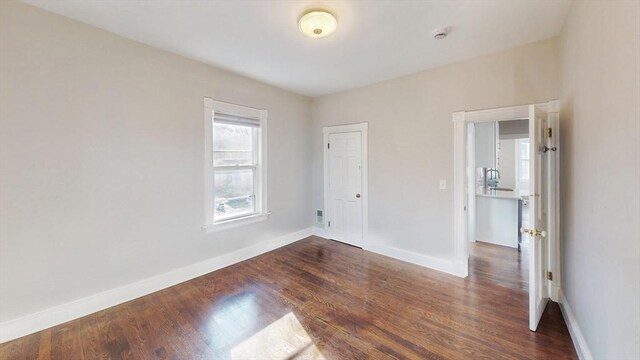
[471,183]
[345,183]
[553,195]
[546,257]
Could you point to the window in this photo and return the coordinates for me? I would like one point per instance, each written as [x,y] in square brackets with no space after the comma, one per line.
[235,166]
[522,166]
[523,159]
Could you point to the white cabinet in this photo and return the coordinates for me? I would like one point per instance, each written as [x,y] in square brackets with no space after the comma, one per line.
[498,219]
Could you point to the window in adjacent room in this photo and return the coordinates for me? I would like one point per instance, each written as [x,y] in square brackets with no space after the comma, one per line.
[235,165]
[522,168]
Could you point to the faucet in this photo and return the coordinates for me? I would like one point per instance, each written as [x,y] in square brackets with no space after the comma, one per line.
[493,181]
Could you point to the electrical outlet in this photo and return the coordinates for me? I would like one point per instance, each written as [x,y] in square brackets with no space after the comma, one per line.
[443,184]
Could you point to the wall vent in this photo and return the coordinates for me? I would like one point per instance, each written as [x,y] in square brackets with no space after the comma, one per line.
[319,216]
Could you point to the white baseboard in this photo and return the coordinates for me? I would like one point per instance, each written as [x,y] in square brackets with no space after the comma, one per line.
[447,266]
[56,315]
[578,338]
[450,267]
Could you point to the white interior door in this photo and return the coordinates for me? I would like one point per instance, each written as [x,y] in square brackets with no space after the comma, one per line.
[344,217]
[539,206]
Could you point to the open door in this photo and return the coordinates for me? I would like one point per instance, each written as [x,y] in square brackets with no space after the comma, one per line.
[539,206]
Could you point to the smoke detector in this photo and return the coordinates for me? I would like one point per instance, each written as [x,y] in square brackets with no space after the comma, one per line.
[440,33]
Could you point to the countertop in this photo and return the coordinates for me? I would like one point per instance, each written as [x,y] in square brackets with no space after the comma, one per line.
[499,194]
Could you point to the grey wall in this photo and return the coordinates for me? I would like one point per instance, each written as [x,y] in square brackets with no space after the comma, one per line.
[101,160]
[411,137]
[513,129]
[600,169]
[485,145]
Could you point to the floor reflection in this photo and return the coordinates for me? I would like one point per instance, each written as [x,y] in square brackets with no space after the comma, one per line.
[235,319]
[283,339]
[237,332]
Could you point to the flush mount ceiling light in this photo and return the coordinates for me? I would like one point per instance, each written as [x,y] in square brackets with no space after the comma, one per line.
[317,24]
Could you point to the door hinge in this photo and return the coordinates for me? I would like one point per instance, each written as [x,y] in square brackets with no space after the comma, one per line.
[548,132]
[328,145]
[329,223]
[549,275]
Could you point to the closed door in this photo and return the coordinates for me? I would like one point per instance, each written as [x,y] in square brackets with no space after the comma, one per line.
[344,217]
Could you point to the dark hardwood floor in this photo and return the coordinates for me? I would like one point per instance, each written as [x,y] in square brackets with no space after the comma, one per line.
[320,299]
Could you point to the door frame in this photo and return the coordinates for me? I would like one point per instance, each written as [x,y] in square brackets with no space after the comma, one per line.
[461,214]
[362,128]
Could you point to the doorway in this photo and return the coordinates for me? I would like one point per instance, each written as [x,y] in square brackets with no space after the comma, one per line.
[498,182]
[346,183]
[543,249]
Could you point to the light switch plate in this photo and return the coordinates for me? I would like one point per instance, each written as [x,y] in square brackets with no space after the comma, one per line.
[443,184]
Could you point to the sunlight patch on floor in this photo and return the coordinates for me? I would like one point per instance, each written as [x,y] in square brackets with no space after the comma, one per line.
[283,339]
[235,318]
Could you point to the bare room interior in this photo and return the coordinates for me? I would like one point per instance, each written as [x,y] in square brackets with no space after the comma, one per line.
[271,179]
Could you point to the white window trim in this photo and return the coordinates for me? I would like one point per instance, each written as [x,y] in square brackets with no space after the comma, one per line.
[262,213]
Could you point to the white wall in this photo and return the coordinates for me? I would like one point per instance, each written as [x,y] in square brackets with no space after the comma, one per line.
[600,169]
[411,137]
[101,160]
[101,177]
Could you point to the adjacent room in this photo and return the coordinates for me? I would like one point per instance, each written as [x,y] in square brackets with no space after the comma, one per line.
[272,179]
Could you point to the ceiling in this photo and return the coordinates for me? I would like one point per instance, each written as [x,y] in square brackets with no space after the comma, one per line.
[375,40]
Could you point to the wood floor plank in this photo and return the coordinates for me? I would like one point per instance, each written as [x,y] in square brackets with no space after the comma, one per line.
[320,299]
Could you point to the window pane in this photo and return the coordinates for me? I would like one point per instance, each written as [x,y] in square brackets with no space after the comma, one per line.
[524,149]
[524,160]
[234,193]
[232,145]
[524,170]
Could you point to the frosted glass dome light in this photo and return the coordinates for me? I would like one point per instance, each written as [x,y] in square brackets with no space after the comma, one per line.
[317,24]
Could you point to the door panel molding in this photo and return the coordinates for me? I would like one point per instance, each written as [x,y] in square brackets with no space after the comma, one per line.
[362,128]
[538,209]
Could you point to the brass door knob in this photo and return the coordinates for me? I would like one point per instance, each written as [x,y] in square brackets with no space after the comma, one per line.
[358,196]
[534,232]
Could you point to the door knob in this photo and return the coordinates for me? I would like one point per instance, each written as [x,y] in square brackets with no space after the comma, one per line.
[358,196]
[533,232]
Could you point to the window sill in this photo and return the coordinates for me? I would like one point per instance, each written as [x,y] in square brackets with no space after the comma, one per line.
[234,223]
